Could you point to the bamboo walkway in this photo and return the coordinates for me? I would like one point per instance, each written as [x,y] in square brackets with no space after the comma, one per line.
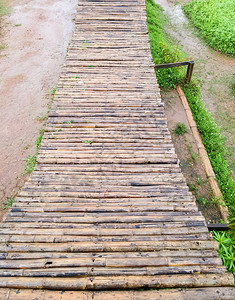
[107,211]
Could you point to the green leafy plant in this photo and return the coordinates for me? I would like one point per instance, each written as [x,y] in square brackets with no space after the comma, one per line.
[8,203]
[180,129]
[53,93]
[226,249]
[70,122]
[39,139]
[203,201]
[30,163]
[192,187]
[88,142]
[32,159]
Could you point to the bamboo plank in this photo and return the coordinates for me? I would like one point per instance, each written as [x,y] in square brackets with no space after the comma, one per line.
[115,213]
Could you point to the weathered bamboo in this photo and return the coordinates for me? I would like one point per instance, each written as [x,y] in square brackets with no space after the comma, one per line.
[107,206]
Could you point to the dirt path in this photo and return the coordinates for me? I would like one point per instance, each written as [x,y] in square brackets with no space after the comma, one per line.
[36,35]
[215,70]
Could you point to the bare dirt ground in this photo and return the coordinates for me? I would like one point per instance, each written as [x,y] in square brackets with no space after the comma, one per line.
[35,35]
[215,70]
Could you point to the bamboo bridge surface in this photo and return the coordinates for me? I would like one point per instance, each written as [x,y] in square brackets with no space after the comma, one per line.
[107,214]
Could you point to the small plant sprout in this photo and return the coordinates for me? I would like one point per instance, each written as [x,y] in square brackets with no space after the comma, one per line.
[202,201]
[87,142]
[8,203]
[53,93]
[226,249]
[30,163]
[180,129]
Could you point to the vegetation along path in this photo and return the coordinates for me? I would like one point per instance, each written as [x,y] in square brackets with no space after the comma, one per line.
[215,70]
[106,212]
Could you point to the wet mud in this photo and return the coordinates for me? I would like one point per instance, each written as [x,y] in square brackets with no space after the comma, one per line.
[35,34]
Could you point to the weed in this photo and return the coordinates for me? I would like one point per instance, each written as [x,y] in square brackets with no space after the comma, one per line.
[88,142]
[30,163]
[200,180]
[8,203]
[17,25]
[3,8]
[39,139]
[192,187]
[70,122]
[53,93]
[226,249]
[43,118]
[193,154]
[75,77]
[180,129]
[203,201]
[53,90]
[32,159]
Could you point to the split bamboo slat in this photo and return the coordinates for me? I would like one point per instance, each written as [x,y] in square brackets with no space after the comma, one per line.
[107,207]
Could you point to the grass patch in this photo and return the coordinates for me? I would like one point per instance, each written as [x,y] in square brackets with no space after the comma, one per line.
[8,203]
[180,129]
[3,8]
[32,159]
[216,21]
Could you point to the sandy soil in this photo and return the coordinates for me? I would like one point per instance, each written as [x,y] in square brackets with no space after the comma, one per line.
[36,35]
[215,70]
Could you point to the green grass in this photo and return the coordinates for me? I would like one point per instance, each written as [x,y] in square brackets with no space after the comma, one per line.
[32,159]
[3,9]
[8,203]
[216,21]
[180,129]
